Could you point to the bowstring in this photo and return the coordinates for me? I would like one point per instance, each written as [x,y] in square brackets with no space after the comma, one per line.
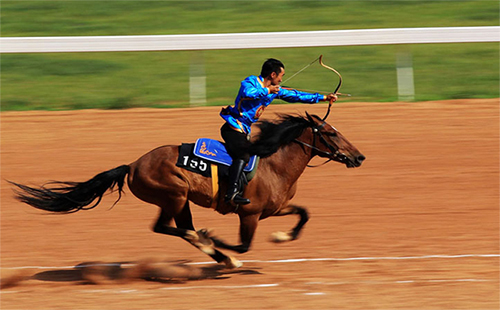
[296,73]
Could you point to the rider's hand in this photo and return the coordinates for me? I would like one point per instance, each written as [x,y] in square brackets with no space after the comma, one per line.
[331,97]
[273,89]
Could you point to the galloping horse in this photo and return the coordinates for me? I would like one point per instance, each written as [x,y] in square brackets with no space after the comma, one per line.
[285,147]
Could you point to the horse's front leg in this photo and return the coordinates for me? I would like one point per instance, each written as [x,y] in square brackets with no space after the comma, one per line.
[248,225]
[293,234]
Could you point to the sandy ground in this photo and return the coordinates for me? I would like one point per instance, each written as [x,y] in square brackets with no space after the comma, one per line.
[429,186]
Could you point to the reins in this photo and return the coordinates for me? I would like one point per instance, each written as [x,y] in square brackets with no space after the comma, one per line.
[317,150]
[333,154]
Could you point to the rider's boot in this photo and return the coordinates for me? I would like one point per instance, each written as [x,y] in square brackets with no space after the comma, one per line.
[232,194]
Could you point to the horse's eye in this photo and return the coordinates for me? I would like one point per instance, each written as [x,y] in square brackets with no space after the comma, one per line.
[332,134]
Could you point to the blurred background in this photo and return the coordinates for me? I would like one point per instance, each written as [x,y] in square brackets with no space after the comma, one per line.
[116,80]
[430,184]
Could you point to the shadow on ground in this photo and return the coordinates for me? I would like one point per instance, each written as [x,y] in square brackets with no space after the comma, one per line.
[124,272]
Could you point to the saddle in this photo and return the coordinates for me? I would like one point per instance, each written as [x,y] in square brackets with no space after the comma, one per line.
[209,158]
[215,151]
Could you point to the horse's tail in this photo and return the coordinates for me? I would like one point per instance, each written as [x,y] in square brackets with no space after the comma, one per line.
[70,197]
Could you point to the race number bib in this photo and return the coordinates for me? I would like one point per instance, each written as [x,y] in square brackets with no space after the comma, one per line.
[192,163]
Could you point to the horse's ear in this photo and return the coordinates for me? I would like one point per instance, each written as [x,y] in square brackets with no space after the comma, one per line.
[312,118]
[309,117]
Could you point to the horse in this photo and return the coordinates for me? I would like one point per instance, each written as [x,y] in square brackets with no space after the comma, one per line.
[285,147]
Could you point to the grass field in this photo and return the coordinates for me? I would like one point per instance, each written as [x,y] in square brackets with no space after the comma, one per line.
[161,79]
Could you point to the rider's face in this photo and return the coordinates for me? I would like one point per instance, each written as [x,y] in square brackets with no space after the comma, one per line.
[276,79]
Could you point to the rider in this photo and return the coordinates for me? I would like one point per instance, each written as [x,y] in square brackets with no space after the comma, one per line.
[255,94]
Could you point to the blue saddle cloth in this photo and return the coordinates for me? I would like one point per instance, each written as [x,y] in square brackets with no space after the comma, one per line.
[215,151]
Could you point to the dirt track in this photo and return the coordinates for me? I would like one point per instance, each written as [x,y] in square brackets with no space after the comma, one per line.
[429,186]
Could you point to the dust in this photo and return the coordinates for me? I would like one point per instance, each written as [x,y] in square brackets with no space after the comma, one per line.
[111,273]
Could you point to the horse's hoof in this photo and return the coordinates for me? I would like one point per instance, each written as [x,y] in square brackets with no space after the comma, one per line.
[232,263]
[206,232]
[191,236]
[207,249]
[280,236]
[204,237]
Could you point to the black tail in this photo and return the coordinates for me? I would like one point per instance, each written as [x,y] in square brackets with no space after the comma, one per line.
[73,196]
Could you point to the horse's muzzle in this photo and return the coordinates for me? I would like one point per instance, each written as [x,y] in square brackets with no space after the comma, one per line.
[355,161]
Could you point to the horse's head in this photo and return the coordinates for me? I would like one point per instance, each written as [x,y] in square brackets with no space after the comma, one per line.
[328,142]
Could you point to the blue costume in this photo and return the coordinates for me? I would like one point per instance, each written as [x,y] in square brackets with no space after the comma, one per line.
[253,98]
[251,101]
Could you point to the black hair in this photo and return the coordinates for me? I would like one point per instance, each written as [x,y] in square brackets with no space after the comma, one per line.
[275,134]
[271,65]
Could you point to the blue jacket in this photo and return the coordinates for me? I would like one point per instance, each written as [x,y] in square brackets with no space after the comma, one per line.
[253,98]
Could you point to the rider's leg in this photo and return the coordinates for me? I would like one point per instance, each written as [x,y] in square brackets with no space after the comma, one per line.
[237,145]
[232,194]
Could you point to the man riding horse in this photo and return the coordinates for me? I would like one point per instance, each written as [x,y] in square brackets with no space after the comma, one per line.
[156,177]
[255,94]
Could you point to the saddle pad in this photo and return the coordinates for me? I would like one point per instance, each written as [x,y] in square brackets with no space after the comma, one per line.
[215,151]
[192,163]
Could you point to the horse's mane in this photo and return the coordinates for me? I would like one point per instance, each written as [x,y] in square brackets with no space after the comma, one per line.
[275,134]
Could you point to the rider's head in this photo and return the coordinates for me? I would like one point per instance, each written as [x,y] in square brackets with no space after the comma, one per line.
[273,69]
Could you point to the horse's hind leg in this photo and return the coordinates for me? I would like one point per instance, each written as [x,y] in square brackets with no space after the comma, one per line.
[185,230]
[293,234]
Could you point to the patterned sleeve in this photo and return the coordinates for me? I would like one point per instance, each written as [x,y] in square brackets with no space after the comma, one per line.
[292,95]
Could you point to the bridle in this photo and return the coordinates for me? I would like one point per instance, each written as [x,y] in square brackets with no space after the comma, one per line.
[332,154]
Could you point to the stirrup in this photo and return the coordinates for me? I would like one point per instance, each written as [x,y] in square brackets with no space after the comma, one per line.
[236,200]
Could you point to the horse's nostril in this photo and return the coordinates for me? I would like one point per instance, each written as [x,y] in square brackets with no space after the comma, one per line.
[361,158]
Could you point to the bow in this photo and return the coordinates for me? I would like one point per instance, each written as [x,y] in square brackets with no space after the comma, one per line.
[320,59]
[336,89]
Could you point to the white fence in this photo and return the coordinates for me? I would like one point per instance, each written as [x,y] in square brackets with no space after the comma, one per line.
[258,40]
[249,40]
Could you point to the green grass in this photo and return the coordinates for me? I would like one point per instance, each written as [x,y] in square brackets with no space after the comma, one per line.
[161,79]
[73,18]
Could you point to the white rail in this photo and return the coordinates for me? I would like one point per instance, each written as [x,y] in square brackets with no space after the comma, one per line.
[249,40]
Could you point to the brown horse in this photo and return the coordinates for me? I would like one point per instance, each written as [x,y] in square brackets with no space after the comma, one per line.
[285,146]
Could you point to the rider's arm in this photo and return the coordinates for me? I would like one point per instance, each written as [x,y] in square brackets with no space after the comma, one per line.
[251,89]
[292,95]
